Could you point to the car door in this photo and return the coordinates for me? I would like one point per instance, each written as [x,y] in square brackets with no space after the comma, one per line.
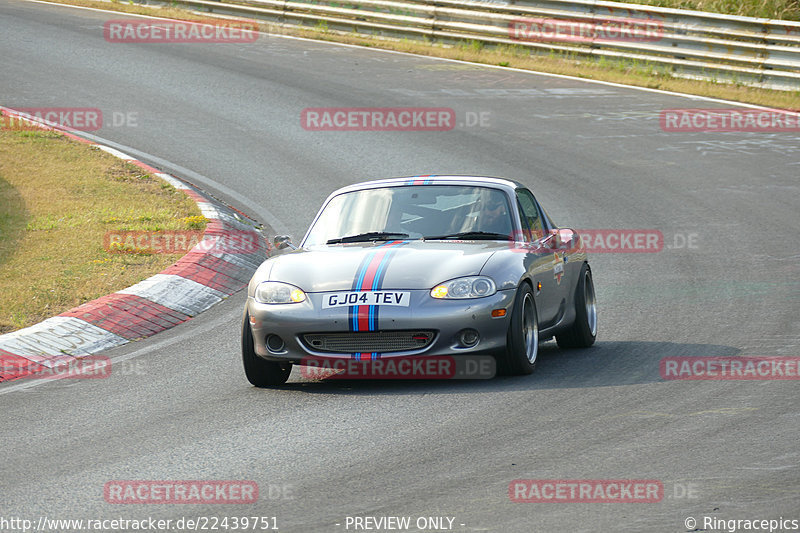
[545,263]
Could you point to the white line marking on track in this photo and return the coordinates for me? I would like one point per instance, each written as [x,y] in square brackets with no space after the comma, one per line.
[445,59]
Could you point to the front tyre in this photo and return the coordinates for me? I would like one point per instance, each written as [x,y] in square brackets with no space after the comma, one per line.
[260,372]
[583,332]
[522,342]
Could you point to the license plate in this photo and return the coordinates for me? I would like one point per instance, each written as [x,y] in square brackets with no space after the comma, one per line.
[344,299]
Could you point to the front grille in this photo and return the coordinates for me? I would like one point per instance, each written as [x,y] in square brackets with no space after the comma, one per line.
[368,341]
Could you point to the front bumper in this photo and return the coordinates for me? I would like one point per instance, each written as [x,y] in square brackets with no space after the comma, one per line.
[446,318]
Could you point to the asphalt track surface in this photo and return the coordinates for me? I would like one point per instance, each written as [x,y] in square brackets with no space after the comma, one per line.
[179,407]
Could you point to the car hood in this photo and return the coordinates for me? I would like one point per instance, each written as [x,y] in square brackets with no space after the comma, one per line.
[398,265]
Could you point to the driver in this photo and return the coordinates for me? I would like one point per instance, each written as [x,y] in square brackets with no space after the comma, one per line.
[494,216]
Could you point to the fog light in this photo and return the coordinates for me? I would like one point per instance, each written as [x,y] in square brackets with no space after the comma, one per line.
[469,338]
[275,343]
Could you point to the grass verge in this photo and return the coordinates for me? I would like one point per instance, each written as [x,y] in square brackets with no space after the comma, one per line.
[58,198]
[768,9]
[616,70]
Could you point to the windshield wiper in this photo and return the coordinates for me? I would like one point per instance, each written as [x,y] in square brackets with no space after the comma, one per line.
[471,235]
[370,236]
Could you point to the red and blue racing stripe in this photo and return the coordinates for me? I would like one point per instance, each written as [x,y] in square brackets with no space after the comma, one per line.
[421,180]
[369,277]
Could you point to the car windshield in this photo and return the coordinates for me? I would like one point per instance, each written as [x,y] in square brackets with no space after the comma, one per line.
[414,212]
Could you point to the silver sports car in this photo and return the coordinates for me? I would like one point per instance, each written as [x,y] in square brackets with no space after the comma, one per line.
[422,266]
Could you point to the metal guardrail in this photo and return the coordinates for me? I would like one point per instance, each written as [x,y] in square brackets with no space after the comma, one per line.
[746,50]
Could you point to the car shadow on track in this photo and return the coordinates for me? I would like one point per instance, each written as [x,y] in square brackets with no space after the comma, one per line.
[604,364]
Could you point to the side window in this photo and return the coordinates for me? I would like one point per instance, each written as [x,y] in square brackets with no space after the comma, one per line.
[532,221]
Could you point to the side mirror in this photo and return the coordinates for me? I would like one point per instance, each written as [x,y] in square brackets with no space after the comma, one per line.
[557,241]
[560,239]
[568,238]
[283,241]
[541,240]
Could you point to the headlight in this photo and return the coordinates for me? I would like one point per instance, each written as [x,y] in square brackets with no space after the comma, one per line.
[469,287]
[276,292]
